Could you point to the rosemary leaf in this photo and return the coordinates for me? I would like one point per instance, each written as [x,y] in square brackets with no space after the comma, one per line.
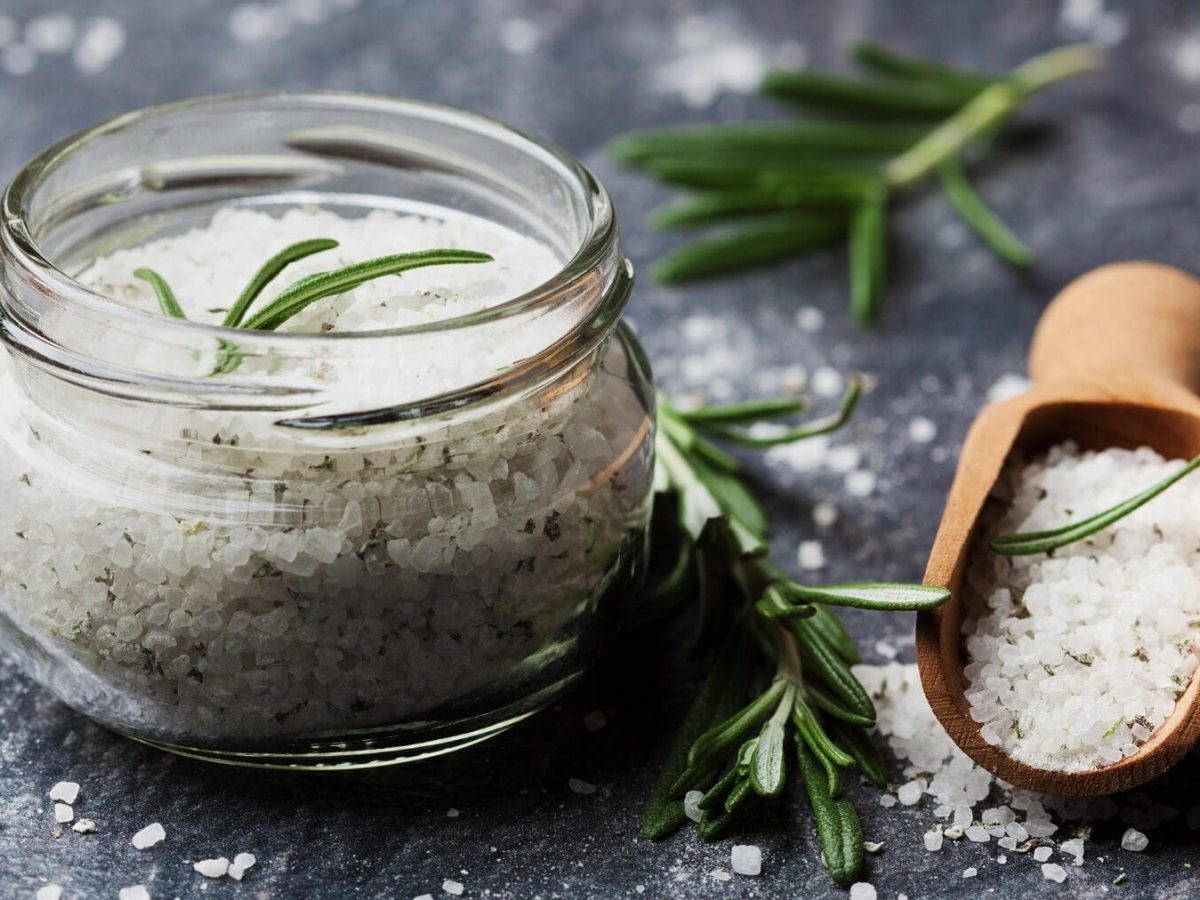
[834,633]
[842,94]
[744,413]
[328,284]
[818,181]
[725,735]
[800,432]
[982,220]
[765,239]
[166,297]
[269,271]
[868,257]
[771,140]
[826,663]
[841,860]
[888,62]
[873,595]
[1030,542]
[828,704]
[767,764]
[866,755]
[712,207]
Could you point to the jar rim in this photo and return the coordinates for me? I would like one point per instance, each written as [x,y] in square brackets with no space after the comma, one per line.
[596,245]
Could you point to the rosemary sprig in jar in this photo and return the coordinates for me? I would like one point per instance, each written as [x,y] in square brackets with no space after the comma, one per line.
[789,187]
[778,686]
[303,293]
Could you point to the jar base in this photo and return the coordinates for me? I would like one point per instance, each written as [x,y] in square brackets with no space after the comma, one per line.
[375,748]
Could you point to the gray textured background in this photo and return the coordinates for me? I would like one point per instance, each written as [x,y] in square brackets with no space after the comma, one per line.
[1105,169]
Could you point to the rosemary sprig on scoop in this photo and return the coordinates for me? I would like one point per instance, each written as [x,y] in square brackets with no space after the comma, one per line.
[1028,543]
[303,293]
[779,696]
[787,187]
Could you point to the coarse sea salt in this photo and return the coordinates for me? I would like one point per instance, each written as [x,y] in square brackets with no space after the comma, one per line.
[417,583]
[1134,840]
[134,892]
[65,792]
[453,887]
[1075,657]
[63,813]
[862,890]
[150,836]
[746,859]
[212,868]
[49,892]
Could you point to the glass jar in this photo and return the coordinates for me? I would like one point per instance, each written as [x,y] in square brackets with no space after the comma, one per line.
[314,560]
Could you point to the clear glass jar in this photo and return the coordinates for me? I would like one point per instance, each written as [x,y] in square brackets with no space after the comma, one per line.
[279,566]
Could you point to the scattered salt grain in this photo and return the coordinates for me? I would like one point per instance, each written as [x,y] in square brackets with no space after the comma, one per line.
[241,863]
[102,41]
[954,832]
[452,887]
[63,813]
[53,33]
[827,382]
[84,826]
[135,892]
[909,793]
[843,459]
[1002,859]
[594,721]
[18,59]
[886,650]
[423,897]
[212,868]
[873,846]
[1073,847]
[1008,386]
[1134,840]
[824,514]
[977,834]
[65,792]
[862,890]
[921,430]
[49,892]
[746,859]
[887,800]
[860,483]
[690,805]
[810,319]
[1054,872]
[452,813]
[519,36]
[581,787]
[811,555]
[150,836]
[1187,57]
[1041,854]
[933,840]
[720,875]
[970,872]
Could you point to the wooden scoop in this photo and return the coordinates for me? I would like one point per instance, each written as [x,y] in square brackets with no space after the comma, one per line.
[1116,363]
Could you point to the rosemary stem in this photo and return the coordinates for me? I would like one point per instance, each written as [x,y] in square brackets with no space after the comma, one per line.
[987,110]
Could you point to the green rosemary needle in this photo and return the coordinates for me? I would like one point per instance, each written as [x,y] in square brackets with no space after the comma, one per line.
[303,293]
[1031,542]
[785,188]
[779,694]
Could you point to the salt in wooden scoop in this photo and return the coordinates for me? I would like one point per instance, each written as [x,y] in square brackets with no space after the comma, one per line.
[1116,363]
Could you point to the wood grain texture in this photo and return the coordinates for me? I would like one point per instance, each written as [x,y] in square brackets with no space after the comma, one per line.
[1116,362]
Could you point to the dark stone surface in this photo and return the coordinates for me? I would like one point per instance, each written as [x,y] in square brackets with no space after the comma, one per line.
[1112,174]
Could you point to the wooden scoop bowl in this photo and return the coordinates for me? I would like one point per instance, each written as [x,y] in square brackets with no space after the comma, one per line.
[1116,363]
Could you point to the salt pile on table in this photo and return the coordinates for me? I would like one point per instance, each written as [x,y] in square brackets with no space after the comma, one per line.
[1075,657]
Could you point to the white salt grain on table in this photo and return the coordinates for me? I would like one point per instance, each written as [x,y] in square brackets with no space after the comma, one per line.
[134,892]
[212,868]
[150,836]
[452,887]
[862,890]
[1054,872]
[65,792]
[63,813]
[970,872]
[746,859]
[49,892]
[1076,656]
[1041,854]
[690,807]
[811,555]
[1134,840]
[84,826]
[241,863]
[933,840]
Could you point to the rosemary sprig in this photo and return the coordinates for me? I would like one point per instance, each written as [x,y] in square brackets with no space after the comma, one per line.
[302,293]
[779,695]
[1031,542]
[789,187]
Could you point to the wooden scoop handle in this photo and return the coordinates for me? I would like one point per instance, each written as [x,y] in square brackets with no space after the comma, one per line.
[1127,332]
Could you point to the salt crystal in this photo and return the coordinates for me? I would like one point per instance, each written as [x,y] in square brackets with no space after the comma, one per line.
[52,33]
[977,834]
[1073,847]
[149,836]
[452,813]
[63,813]
[824,514]
[810,319]
[452,887]
[909,793]
[595,720]
[872,846]
[1054,872]
[827,382]
[746,859]
[101,42]
[933,841]
[581,787]
[240,864]
[861,483]
[1002,859]
[1134,840]
[49,892]
[84,826]
[136,892]
[720,875]
[862,890]
[423,897]
[887,801]
[690,808]
[921,430]
[65,792]
[1041,854]
[970,872]
[811,555]
[212,868]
